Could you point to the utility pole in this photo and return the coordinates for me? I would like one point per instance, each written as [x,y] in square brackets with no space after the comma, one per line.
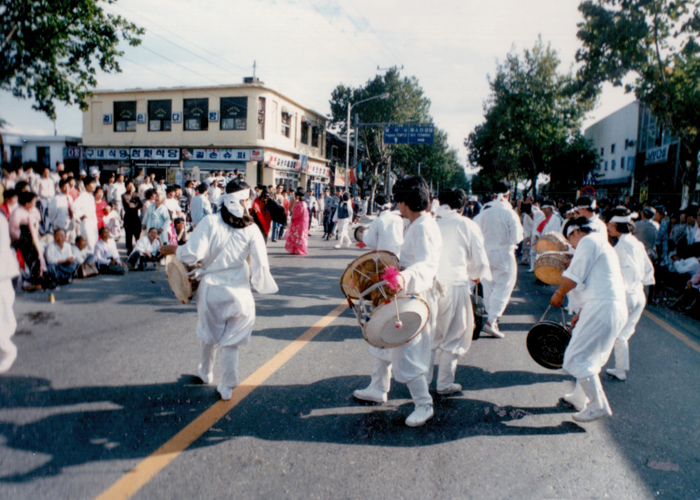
[254,67]
[387,182]
[418,169]
[354,163]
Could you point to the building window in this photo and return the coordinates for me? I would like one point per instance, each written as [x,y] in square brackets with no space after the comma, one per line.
[612,164]
[622,163]
[286,122]
[602,151]
[234,113]
[315,134]
[304,131]
[630,163]
[125,116]
[16,153]
[261,118]
[43,155]
[159,114]
[612,149]
[196,113]
[606,166]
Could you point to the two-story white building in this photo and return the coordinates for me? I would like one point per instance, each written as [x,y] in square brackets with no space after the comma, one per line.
[183,132]
[615,139]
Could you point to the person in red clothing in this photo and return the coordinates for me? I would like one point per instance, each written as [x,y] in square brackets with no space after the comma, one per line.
[260,214]
[100,204]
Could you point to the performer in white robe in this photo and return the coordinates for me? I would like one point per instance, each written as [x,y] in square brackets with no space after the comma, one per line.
[637,271]
[595,273]
[420,254]
[8,324]
[222,243]
[548,222]
[386,231]
[84,211]
[463,259]
[586,207]
[502,232]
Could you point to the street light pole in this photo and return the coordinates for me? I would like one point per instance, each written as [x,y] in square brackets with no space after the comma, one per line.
[347,143]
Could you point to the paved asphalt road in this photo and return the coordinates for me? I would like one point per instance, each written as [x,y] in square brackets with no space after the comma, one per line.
[105,377]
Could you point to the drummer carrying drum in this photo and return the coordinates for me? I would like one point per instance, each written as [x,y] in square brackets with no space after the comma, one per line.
[222,243]
[420,255]
[595,274]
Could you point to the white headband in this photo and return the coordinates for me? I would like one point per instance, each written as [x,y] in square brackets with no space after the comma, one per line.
[570,211]
[574,227]
[548,206]
[588,207]
[623,219]
[386,206]
[232,201]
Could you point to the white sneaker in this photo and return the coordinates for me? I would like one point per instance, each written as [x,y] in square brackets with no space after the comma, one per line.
[589,414]
[337,247]
[531,270]
[618,374]
[579,404]
[492,329]
[420,415]
[370,394]
[207,378]
[225,392]
[450,389]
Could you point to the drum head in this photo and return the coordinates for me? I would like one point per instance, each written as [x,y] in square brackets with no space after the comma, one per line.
[366,267]
[547,342]
[478,309]
[380,330]
[177,279]
[359,233]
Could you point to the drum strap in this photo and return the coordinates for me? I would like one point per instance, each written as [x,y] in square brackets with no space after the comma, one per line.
[563,317]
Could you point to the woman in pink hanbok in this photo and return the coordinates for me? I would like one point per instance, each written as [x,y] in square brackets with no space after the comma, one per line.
[298,234]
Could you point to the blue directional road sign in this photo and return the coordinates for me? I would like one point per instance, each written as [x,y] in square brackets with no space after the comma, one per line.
[409,134]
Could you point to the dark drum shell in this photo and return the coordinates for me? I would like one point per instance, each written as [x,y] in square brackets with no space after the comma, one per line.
[547,342]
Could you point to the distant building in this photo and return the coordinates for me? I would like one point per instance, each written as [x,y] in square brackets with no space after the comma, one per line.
[615,138]
[185,132]
[46,149]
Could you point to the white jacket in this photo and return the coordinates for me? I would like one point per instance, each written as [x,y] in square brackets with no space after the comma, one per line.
[463,256]
[500,226]
[385,233]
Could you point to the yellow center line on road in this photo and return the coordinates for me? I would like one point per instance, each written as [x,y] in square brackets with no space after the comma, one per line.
[136,478]
[680,336]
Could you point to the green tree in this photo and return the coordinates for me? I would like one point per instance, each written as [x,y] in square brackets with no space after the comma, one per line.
[656,42]
[531,116]
[406,103]
[50,49]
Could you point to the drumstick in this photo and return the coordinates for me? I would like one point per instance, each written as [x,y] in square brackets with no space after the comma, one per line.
[399,324]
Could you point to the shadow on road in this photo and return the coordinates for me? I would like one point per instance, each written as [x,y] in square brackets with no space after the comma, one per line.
[149,415]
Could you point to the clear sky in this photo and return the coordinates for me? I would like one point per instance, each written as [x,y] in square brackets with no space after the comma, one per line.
[304,48]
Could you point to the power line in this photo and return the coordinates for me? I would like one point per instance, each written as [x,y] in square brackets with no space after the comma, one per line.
[181,65]
[179,35]
[369,25]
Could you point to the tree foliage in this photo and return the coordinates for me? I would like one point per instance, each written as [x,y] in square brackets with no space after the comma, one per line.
[50,49]
[656,41]
[532,117]
[406,103]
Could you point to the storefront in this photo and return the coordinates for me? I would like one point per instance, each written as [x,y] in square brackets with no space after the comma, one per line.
[317,177]
[164,162]
[107,161]
[199,162]
[283,170]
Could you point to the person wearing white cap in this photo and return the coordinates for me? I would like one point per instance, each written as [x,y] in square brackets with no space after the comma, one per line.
[637,271]
[596,275]
[386,231]
[586,207]
[85,213]
[546,221]
[222,243]
[502,232]
[463,260]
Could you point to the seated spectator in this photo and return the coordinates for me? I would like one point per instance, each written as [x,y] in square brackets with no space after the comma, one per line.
[81,252]
[59,258]
[112,221]
[180,231]
[146,250]
[107,255]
